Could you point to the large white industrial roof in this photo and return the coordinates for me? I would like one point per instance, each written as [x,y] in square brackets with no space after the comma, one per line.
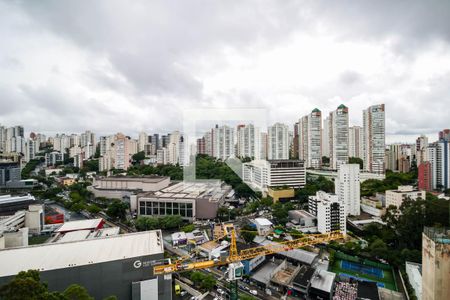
[73,254]
[79,225]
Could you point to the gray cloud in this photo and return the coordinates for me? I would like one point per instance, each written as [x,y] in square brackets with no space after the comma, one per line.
[133,66]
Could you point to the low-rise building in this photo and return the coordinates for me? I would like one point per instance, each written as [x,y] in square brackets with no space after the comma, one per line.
[403,192]
[281,193]
[190,200]
[302,280]
[263,226]
[118,187]
[372,206]
[179,239]
[9,204]
[302,218]
[89,224]
[322,285]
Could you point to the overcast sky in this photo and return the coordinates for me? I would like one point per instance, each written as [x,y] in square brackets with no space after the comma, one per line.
[109,66]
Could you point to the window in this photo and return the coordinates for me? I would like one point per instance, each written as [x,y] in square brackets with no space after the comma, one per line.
[149,208]
[162,208]
[176,210]
[155,208]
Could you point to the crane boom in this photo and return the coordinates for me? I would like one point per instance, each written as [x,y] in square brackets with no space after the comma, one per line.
[235,256]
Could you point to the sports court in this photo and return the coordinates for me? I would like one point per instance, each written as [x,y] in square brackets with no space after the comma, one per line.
[361,269]
[347,266]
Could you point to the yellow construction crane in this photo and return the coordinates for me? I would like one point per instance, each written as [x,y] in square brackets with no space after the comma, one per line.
[235,257]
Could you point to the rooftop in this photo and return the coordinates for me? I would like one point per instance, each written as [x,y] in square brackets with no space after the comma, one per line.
[299,213]
[304,276]
[61,255]
[296,254]
[263,222]
[323,280]
[79,235]
[264,273]
[80,225]
[215,190]
[4,199]
[146,178]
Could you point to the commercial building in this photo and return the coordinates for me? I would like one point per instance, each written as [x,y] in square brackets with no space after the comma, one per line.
[115,265]
[403,192]
[119,187]
[261,174]
[435,263]
[414,272]
[10,204]
[9,172]
[330,212]
[347,187]
[281,193]
[190,200]
[374,138]
[89,224]
[278,142]
[338,136]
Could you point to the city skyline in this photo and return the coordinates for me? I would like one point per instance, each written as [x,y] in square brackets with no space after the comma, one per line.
[75,67]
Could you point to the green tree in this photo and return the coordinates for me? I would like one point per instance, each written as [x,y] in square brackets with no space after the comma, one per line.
[25,285]
[94,209]
[77,207]
[117,209]
[170,222]
[77,292]
[146,223]
[356,160]
[248,236]
[138,157]
[188,228]
[378,248]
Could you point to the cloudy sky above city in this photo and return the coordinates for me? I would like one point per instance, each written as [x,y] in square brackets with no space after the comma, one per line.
[108,66]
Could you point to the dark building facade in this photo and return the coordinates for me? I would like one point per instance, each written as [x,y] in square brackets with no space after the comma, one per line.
[9,171]
[129,277]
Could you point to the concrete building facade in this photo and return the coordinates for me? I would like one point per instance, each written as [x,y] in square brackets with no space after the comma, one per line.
[278,142]
[436,263]
[347,187]
[396,197]
[374,138]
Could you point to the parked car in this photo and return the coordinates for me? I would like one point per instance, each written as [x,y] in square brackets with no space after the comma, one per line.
[254,292]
